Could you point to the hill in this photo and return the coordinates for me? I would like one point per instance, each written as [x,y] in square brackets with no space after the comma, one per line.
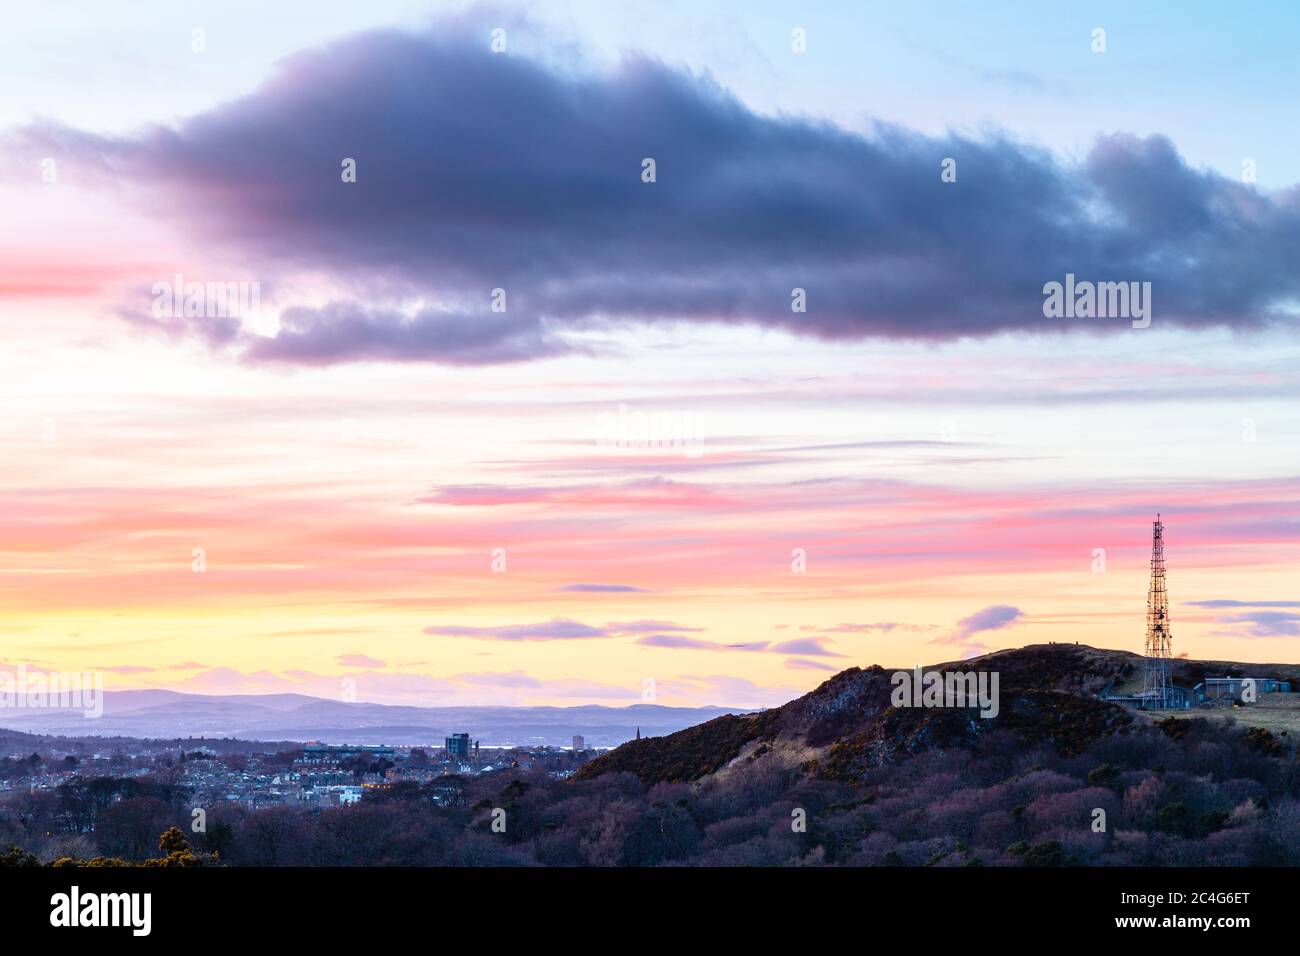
[846,726]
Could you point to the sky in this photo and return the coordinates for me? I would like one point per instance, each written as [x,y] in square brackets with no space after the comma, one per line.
[506,423]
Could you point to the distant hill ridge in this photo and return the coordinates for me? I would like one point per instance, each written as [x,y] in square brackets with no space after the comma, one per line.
[164,714]
[1048,693]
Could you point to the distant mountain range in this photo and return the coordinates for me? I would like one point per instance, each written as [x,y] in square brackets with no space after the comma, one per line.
[167,714]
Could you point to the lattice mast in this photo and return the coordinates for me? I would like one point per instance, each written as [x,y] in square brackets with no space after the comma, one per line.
[1156,684]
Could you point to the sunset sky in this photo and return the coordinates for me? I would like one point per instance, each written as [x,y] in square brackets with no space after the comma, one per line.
[393,484]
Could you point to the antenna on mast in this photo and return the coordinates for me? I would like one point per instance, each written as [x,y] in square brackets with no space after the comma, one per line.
[1157,687]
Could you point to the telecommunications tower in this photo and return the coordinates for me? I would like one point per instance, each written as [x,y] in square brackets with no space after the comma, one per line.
[1157,688]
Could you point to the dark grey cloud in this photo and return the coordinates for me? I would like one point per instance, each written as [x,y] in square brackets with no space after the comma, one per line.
[647,627]
[479,171]
[1261,624]
[885,626]
[557,629]
[805,646]
[343,332]
[682,642]
[602,588]
[992,618]
[1223,602]
[995,617]
[798,663]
